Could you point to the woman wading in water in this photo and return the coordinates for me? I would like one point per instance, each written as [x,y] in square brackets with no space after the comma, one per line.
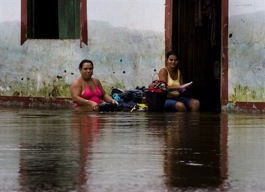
[87,92]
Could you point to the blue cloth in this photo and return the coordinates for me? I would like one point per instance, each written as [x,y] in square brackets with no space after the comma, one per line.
[116,97]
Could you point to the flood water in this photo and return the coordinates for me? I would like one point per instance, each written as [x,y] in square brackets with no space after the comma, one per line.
[61,150]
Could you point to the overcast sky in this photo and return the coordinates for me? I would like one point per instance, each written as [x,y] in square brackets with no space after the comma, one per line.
[135,14]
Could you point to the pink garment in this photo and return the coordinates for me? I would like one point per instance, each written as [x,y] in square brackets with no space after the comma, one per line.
[92,96]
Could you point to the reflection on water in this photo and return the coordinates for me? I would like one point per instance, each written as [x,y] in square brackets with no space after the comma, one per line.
[192,153]
[49,150]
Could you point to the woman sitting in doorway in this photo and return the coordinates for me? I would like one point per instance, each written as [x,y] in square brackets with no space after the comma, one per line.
[172,76]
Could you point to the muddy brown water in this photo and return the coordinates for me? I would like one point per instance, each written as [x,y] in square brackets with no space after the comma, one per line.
[61,150]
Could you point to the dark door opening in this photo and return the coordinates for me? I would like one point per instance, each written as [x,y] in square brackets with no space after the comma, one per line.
[196,36]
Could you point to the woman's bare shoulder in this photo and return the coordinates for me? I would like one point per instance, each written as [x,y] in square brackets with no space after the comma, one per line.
[163,70]
[77,82]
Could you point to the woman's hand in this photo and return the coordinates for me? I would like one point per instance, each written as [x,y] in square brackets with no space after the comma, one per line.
[183,87]
[95,106]
[114,102]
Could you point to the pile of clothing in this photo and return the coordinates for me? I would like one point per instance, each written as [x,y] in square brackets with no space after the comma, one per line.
[157,86]
[156,95]
[129,100]
[138,99]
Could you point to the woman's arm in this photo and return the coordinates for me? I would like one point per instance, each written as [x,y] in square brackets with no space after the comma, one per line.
[106,97]
[162,75]
[183,86]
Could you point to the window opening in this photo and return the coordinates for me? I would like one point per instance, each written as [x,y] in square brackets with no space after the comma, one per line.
[53,19]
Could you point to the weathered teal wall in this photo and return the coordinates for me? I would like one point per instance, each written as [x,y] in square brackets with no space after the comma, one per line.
[246,51]
[125,54]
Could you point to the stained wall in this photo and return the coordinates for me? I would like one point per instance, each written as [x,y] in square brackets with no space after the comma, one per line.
[246,45]
[125,42]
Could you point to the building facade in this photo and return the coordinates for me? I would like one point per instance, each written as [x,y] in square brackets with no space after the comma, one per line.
[221,42]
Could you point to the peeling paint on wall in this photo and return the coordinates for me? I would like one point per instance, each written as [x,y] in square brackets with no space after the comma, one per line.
[246,51]
[123,57]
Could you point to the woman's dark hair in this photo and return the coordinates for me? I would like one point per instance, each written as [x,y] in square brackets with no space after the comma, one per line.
[171,52]
[85,61]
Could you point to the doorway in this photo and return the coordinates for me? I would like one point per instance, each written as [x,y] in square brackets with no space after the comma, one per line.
[196,37]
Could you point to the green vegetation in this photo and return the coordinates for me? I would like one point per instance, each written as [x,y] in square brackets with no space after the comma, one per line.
[247,94]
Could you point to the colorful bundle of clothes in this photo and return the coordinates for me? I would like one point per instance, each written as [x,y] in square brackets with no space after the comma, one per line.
[134,99]
[156,95]
[157,86]
[129,100]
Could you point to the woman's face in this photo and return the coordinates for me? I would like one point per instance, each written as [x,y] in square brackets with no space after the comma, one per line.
[87,70]
[172,61]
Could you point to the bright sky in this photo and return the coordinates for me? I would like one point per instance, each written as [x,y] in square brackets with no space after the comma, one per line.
[237,7]
[134,14]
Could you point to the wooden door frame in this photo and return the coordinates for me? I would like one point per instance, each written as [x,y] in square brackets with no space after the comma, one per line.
[224,44]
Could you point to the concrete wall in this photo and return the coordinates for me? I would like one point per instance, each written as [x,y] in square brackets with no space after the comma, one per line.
[125,42]
[246,51]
